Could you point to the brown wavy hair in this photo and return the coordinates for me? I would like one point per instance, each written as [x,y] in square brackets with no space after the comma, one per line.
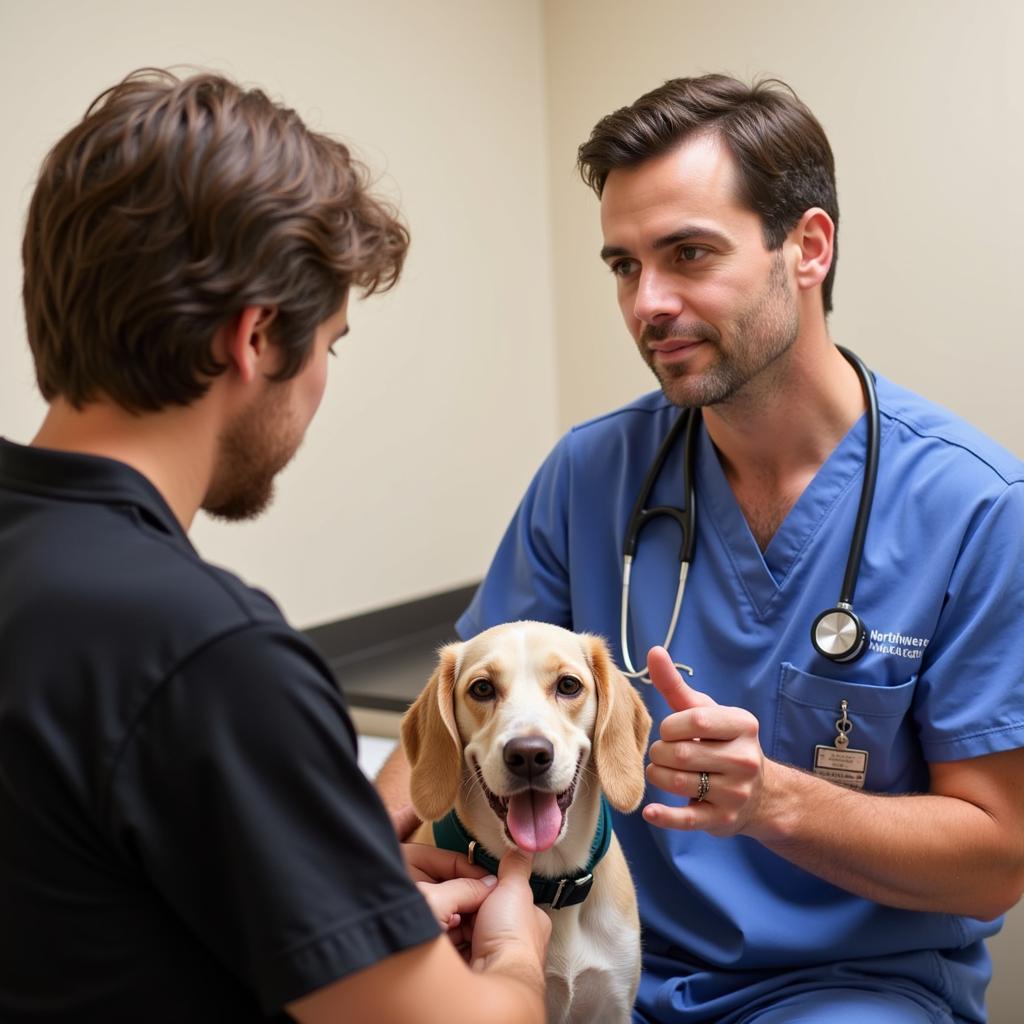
[783,156]
[173,205]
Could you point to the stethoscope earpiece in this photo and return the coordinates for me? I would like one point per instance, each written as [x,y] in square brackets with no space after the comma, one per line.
[839,635]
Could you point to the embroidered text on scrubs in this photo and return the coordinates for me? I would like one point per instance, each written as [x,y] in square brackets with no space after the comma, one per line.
[896,643]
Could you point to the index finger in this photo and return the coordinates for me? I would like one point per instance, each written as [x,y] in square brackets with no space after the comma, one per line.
[671,685]
[431,864]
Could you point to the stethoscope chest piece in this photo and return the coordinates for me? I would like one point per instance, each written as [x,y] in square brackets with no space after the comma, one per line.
[839,635]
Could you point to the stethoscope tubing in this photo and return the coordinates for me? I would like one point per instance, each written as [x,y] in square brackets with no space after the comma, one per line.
[685,518]
[867,491]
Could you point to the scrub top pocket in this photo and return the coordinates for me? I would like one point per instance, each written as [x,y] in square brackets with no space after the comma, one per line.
[809,707]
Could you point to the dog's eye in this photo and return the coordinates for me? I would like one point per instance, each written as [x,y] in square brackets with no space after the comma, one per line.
[481,689]
[569,686]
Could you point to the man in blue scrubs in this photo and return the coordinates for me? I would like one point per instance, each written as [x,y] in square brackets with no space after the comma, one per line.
[770,893]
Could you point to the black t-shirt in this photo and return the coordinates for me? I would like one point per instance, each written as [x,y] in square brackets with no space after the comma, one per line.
[185,834]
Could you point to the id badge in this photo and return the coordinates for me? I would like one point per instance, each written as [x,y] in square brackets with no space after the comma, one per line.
[841,763]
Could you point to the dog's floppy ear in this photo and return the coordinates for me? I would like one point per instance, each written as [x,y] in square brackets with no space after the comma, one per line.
[622,732]
[430,739]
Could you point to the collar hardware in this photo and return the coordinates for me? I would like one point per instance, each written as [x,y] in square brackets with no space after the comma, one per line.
[571,891]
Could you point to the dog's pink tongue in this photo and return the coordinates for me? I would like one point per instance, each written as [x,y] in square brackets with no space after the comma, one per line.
[534,820]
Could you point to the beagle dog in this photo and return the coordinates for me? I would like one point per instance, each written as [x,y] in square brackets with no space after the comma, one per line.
[524,736]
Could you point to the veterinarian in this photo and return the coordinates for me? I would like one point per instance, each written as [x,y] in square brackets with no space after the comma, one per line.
[834,819]
[185,833]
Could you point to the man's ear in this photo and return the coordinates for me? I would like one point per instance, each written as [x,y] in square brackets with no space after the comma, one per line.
[815,236]
[243,343]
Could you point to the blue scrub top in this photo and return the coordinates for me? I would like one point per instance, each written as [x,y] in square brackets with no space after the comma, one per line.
[941,590]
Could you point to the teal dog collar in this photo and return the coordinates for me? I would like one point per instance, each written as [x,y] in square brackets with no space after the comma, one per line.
[451,834]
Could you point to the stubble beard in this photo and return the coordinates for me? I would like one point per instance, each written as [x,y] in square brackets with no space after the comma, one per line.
[252,450]
[763,332]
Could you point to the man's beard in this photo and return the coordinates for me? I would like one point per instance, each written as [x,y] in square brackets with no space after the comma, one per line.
[762,332]
[252,450]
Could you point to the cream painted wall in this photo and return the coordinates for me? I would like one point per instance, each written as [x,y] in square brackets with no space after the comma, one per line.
[922,101]
[442,401]
[472,109]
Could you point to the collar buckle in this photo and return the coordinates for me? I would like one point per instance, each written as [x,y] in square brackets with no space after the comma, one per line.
[571,891]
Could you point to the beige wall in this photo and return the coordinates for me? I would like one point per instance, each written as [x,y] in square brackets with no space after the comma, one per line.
[395,492]
[504,329]
[922,101]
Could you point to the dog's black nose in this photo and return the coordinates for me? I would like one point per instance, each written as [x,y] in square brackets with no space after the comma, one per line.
[528,756]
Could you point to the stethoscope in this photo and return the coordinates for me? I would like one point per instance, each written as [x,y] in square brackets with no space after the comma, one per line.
[837,633]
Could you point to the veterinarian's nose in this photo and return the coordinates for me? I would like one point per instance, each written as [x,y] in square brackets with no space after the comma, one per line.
[528,756]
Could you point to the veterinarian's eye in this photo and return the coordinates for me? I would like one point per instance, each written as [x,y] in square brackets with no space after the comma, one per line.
[569,686]
[481,689]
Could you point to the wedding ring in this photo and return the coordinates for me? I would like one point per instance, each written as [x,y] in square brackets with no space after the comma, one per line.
[703,787]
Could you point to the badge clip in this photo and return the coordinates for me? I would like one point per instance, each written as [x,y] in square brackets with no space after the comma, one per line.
[841,763]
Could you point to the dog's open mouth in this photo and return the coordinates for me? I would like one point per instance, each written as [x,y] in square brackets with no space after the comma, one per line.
[533,818]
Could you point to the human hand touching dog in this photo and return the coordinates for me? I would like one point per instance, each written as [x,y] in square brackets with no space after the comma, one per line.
[453,888]
[510,934]
[488,919]
[700,736]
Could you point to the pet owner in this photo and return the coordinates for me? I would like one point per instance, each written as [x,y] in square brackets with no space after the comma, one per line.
[834,818]
[185,833]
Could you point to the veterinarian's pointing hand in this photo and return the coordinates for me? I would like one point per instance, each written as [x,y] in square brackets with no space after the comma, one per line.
[707,753]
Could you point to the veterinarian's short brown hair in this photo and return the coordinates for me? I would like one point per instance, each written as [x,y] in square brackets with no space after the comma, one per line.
[782,154]
[170,207]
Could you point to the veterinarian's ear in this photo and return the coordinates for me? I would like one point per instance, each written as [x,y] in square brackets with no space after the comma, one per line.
[430,739]
[622,733]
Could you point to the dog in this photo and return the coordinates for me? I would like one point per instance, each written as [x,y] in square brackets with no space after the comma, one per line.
[527,733]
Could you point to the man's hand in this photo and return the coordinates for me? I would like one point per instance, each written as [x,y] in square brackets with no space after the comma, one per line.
[427,982]
[511,934]
[702,736]
[453,888]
